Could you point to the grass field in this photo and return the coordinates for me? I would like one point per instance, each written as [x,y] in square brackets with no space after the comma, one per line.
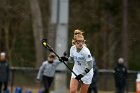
[35,90]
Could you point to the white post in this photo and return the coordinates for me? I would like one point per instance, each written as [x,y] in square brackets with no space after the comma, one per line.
[61,45]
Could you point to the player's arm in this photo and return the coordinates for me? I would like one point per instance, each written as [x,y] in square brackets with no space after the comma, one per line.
[68,59]
[40,71]
[88,68]
[89,60]
[56,62]
[71,60]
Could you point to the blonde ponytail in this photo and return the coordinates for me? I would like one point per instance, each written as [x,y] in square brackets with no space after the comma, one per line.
[76,32]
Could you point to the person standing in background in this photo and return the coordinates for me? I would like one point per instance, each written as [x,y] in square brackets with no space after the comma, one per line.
[93,85]
[120,76]
[4,72]
[47,72]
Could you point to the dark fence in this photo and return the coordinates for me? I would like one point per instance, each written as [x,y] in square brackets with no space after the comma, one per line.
[26,79]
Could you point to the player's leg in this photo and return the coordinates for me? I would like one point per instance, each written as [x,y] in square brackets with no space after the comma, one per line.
[95,89]
[122,90]
[73,85]
[89,90]
[84,88]
[5,85]
[0,87]
[50,80]
[117,90]
[45,84]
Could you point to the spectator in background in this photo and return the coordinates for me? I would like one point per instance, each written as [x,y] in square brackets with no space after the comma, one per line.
[93,85]
[4,72]
[120,76]
[47,71]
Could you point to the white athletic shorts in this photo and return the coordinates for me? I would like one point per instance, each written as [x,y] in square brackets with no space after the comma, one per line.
[87,79]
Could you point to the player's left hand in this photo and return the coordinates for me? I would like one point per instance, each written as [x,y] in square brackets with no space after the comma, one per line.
[79,77]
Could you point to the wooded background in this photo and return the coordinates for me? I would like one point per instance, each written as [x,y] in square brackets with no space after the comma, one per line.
[111,29]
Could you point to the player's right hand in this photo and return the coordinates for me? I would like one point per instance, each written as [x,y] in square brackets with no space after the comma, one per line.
[63,58]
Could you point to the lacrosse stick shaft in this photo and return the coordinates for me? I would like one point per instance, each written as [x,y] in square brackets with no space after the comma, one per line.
[44,42]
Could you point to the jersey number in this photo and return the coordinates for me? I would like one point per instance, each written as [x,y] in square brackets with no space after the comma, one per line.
[78,62]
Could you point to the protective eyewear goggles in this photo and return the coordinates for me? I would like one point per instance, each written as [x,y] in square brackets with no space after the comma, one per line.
[80,41]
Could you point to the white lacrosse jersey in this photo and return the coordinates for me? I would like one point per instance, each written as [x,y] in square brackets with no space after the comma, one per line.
[80,63]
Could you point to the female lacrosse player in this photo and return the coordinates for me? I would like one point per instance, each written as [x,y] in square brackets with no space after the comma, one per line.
[83,63]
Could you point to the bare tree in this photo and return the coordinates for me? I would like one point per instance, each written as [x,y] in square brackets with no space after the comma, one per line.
[37,29]
[125,31]
[6,29]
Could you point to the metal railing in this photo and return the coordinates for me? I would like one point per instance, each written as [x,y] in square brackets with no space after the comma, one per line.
[26,77]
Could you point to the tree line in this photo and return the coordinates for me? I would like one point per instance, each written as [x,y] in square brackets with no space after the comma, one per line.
[111,29]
